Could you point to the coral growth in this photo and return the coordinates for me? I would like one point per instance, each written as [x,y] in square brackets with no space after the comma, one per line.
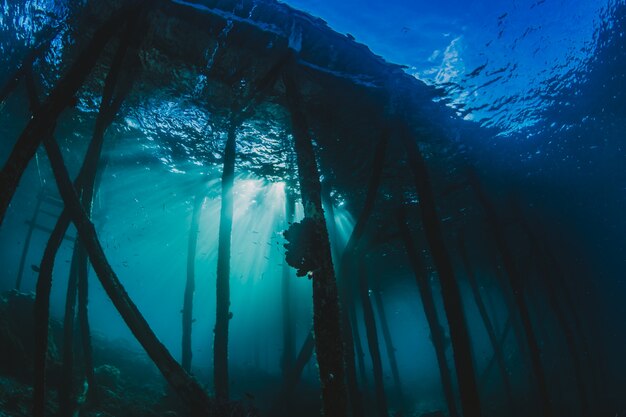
[303,243]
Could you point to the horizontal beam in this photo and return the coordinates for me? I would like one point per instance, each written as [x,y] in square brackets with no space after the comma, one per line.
[47,230]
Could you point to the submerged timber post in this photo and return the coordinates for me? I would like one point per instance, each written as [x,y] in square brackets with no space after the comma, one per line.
[355,237]
[83,324]
[358,348]
[349,329]
[29,235]
[372,340]
[293,374]
[391,350]
[516,281]
[549,271]
[67,387]
[109,107]
[85,184]
[326,310]
[430,311]
[184,385]
[42,314]
[452,300]
[508,324]
[482,309]
[43,121]
[190,284]
[223,314]
[289,335]
[27,65]
[346,284]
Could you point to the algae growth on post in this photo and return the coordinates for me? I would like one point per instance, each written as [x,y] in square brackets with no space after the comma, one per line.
[365,209]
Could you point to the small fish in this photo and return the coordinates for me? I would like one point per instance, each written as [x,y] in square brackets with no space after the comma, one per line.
[249,396]
[35,268]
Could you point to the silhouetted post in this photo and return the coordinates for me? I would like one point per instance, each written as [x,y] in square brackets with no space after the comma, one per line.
[516,281]
[508,324]
[190,284]
[452,301]
[293,374]
[85,183]
[491,333]
[351,333]
[355,237]
[358,347]
[550,273]
[78,283]
[83,324]
[349,329]
[289,331]
[25,68]
[42,314]
[430,311]
[326,310]
[43,121]
[67,387]
[223,314]
[372,341]
[391,351]
[288,357]
[29,234]
[185,386]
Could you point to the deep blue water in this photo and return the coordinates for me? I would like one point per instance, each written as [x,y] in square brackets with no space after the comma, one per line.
[543,85]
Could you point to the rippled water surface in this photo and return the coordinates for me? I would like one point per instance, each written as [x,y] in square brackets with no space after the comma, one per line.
[529,94]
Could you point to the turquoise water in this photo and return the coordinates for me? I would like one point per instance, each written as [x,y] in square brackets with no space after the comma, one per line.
[530,93]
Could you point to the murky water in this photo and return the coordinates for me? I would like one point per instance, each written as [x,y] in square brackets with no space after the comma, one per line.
[479,272]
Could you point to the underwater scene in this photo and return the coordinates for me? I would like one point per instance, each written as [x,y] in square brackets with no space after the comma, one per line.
[256,208]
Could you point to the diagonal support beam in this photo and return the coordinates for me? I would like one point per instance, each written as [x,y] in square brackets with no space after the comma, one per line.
[44,120]
[183,384]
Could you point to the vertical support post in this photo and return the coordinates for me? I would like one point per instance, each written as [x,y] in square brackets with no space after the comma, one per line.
[358,347]
[346,285]
[372,341]
[42,313]
[289,337]
[349,328]
[391,351]
[67,386]
[508,324]
[83,323]
[516,283]
[223,314]
[452,300]
[326,310]
[482,309]
[190,285]
[29,235]
[430,311]
[293,375]
[550,273]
